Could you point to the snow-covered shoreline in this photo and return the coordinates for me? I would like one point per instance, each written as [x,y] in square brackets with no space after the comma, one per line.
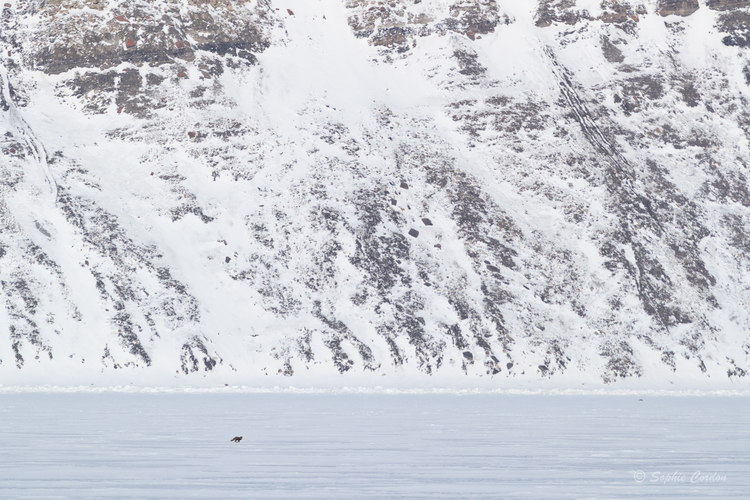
[385,390]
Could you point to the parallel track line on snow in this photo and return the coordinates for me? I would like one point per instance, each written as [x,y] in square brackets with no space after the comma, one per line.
[25,131]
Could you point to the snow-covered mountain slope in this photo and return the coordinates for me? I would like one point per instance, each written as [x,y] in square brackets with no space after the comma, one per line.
[506,190]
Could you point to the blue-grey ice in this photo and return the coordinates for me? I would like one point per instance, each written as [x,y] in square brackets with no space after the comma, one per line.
[367,446]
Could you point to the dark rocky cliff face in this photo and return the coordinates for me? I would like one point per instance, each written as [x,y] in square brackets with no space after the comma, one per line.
[566,11]
[727,4]
[677,7]
[91,40]
[574,213]
[102,34]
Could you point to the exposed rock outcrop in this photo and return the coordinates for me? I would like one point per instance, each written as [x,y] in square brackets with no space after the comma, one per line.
[397,24]
[677,7]
[727,4]
[568,12]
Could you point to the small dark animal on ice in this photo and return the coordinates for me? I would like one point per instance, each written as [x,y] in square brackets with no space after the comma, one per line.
[236,439]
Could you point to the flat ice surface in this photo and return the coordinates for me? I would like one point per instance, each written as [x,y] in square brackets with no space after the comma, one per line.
[143,446]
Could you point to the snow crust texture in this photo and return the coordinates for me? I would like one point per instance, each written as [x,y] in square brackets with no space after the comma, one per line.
[336,447]
[250,189]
